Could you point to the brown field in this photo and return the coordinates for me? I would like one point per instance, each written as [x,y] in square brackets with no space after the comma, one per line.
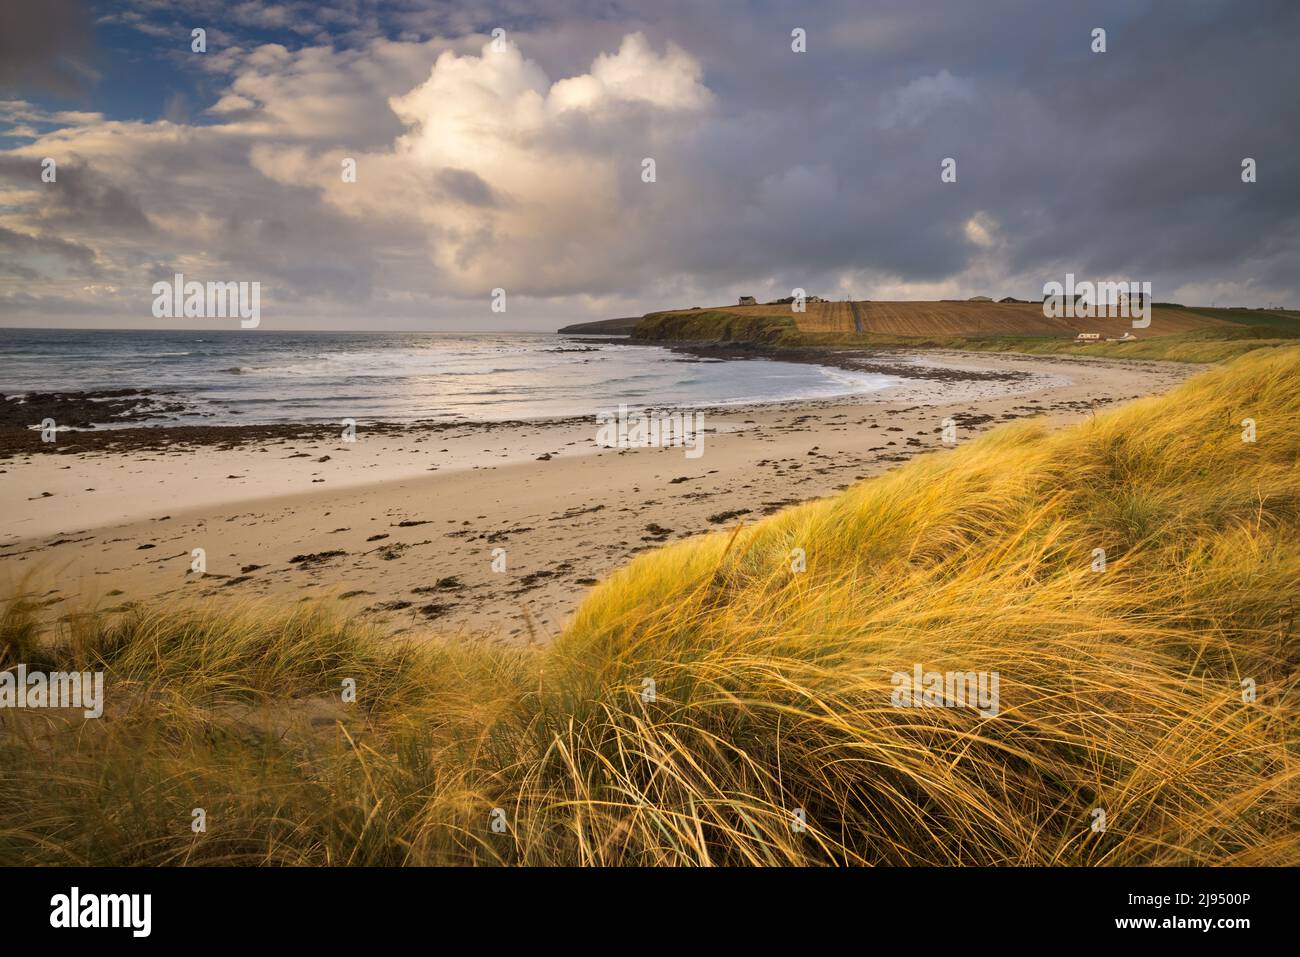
[966,319]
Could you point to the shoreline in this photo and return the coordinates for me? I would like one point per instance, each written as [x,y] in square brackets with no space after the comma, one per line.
[83,427]
[403,522]
[91,431]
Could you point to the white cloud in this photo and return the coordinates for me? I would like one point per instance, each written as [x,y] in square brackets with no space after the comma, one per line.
[510,175]
[477,172]
[637,73]
[979,230]
[917,101]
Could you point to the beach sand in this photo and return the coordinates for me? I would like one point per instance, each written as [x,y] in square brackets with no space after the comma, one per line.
[402,524]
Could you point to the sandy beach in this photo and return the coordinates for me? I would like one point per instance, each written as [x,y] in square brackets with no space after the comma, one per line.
[402,524]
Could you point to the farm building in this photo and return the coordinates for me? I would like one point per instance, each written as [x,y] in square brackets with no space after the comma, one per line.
[1088,337]
[980,299]
[748,301]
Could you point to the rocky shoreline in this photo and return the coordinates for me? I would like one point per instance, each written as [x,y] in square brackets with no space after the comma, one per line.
[879,362]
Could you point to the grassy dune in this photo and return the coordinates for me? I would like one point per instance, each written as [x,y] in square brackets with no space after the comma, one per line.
[1119,689]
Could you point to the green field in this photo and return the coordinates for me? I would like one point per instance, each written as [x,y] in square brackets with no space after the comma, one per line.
[1284,319]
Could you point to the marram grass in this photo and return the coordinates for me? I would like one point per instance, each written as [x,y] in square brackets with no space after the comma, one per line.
[771,736]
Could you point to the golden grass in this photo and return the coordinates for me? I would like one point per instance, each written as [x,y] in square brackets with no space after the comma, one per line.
[1119,689]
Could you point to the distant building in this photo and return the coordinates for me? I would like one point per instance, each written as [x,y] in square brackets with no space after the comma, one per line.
[748,301]
[980,299]
[1013,299]
[1127,337]
[1088,337]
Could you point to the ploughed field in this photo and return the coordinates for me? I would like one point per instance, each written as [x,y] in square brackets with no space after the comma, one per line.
[966,319]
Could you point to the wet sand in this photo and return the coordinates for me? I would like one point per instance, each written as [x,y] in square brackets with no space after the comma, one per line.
[404,522]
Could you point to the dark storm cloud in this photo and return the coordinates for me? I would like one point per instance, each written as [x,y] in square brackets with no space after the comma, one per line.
[1126,161]
[45,46]
[817,169]
[18,246]
[80,198]
[1151,177]
[465,186]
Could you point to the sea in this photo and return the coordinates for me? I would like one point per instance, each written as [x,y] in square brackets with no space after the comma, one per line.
[256,377]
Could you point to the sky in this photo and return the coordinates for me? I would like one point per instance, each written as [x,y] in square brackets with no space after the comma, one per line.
[503,146]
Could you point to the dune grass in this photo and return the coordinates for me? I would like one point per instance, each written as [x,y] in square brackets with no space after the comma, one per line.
[771,735]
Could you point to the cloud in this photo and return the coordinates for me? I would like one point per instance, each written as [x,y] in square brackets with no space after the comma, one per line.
[521,167]
[513,179]
[46,46]
[636,74]
[980,229]
[37,256]
[918,101]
